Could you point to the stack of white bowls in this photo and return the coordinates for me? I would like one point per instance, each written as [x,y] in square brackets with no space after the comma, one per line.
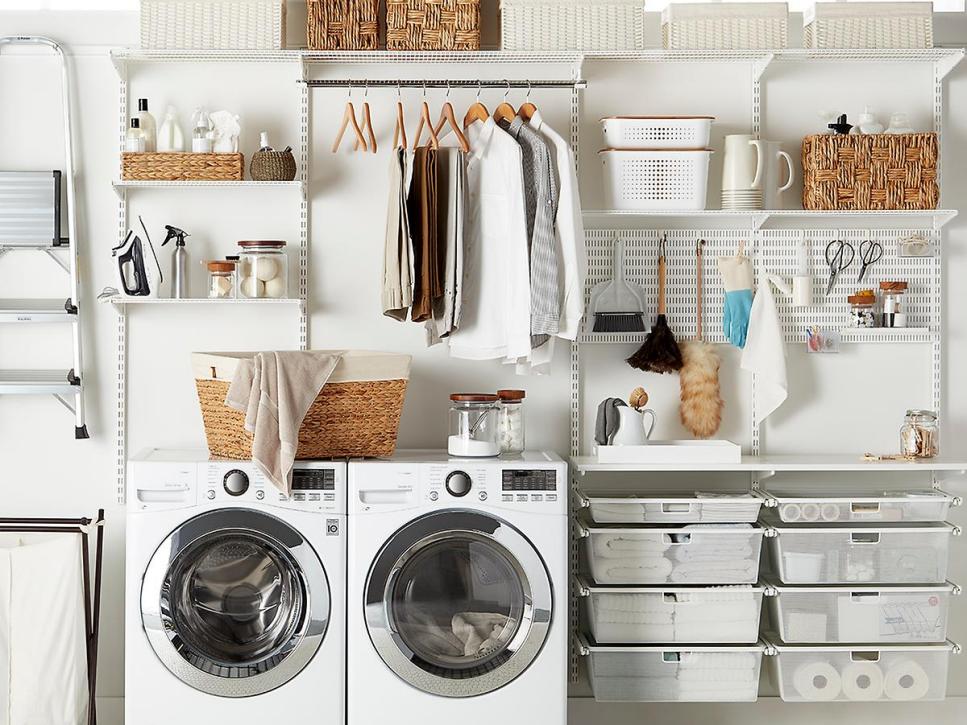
[741,172]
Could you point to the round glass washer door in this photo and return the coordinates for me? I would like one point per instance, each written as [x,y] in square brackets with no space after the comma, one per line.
[458,603]
[235,602]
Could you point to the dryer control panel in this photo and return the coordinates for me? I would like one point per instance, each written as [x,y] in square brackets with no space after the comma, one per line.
[497,484]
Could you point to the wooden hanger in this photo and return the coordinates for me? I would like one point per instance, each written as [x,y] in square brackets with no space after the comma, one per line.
[349,119]
[399,133]
[527,109]
[426,122]
[476,112]
[505,111]
[446,116]
[367,124]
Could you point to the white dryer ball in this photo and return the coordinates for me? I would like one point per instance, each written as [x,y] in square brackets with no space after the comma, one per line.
[252,287]
[275,287]
[222,286]
[266,268]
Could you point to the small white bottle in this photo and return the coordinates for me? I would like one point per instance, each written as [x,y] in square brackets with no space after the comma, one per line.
[170,137]
[134,141]
[201,137]
[264,141]
[148,126]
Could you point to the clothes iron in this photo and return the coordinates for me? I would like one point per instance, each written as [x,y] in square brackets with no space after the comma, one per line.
[135,278]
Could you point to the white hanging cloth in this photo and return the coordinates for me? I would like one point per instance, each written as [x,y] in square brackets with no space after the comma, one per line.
[764,354]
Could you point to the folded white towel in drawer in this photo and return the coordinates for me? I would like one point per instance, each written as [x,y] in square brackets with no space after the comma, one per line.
[734,593]
[702,572]
[614,616]
[718,660]
[701,550]
[620,545]
[636,603]
[639,571]
[718,612]
[717,676]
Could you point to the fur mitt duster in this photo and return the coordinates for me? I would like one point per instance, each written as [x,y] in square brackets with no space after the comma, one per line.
[701,408]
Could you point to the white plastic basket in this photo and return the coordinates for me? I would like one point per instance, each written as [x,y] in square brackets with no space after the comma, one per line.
[657,132]
[725,26]
[844,554]
[869,614]
[646,615]
[692,554]
[655,180]
[213,24]
[868,25]
[673,508]
[841,506]
[899,673]
[643,673]
[572,24]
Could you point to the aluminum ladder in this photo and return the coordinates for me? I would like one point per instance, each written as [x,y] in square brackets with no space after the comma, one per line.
[30,220]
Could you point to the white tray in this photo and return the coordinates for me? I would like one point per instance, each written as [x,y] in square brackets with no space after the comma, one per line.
[673,508]
[672,452]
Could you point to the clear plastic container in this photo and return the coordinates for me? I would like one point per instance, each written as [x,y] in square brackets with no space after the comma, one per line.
[646,673]
[473,425]
[655,615]
[894,307]
[861,311]
[869,614]
[842,506]
[673,508]
[692,554]
[221,280]
[920,434]
[900,673]
[845,554]
[263,270]
[510,422]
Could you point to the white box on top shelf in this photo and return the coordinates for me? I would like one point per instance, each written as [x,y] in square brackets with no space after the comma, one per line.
[868,25]
[725,26]
[572,24]
[213,24]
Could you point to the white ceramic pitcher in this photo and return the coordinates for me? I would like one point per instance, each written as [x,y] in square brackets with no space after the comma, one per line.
[743,163]
[634,427]
[769,172]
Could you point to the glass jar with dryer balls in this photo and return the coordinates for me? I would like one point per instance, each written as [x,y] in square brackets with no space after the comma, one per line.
[894,308]
[221,279]
[861,312]
[920,434]
[473,425]
[263,269]
[510,421]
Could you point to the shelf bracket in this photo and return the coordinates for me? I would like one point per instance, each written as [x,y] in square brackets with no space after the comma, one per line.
[760,64]
[943,217]
[759,220]
[766,474]
[947,63]
[120,64]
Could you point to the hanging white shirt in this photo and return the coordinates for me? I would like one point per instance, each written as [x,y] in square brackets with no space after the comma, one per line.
[495,317]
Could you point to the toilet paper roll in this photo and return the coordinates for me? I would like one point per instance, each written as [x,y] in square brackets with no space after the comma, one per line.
[906,680]
[863,681]
[817,681]
[811,512]
[790,512]
[829,512]
[802,291]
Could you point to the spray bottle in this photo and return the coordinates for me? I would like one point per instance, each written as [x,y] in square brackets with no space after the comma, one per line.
[179,262]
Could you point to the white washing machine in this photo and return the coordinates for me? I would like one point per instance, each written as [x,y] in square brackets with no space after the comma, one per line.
[235,594]
[458,585]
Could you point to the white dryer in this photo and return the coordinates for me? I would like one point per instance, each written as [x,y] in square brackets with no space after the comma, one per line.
[458,584]
[235,594]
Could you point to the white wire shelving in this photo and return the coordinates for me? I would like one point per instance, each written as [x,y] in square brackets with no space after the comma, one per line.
[782,218]
[219,302]
[771,464]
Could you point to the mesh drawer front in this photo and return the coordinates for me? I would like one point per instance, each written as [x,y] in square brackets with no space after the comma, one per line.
[29,208]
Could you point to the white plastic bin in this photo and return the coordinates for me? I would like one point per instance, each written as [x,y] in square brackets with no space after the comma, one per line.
[657,132]
[639,673]
[899,673]
[673,508]
[868,614]
[845,554]
[648,615]
[925,505]
[655,180]
[691,554]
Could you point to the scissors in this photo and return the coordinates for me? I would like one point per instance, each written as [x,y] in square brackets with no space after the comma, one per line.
[839,256]
[870,253]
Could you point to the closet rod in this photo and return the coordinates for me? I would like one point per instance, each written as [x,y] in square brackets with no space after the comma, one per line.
[384,83]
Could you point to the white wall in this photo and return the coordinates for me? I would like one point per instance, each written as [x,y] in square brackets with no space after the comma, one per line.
[46,472]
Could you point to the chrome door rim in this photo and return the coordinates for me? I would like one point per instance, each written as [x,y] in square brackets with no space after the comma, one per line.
[196,669]
[529,638]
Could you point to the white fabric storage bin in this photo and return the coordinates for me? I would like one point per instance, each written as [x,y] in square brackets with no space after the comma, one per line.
[643,673]
[840,506]
[725,26]
[673,508]
[691,554]
[655,180]
[646,615]
[572,24]
[213,24]
[869,614]
[657,132]
[845,554]
[899,673]
[868,25]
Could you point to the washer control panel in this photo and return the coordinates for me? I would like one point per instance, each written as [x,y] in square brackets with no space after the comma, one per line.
[315,486]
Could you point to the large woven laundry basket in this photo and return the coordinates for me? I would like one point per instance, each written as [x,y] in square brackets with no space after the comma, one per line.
[356,414]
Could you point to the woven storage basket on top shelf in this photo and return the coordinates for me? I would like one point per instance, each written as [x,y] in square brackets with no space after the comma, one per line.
[342,24]
[870,172]
[725,26]
[868,25]
[432,24]
[213,24]
[357,413]
[572,24]
[182,167]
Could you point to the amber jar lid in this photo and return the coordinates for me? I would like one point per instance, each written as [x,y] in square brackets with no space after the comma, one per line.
[221,266]
[510,395]
[261,244]
[473,398]
[868,300]
[893,286]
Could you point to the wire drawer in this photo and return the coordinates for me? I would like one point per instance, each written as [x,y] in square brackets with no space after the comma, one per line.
[692,554]
[925,505]
[843,554]
[636,673]
[845,673]
[869,614]
[673,508]
[646,615]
